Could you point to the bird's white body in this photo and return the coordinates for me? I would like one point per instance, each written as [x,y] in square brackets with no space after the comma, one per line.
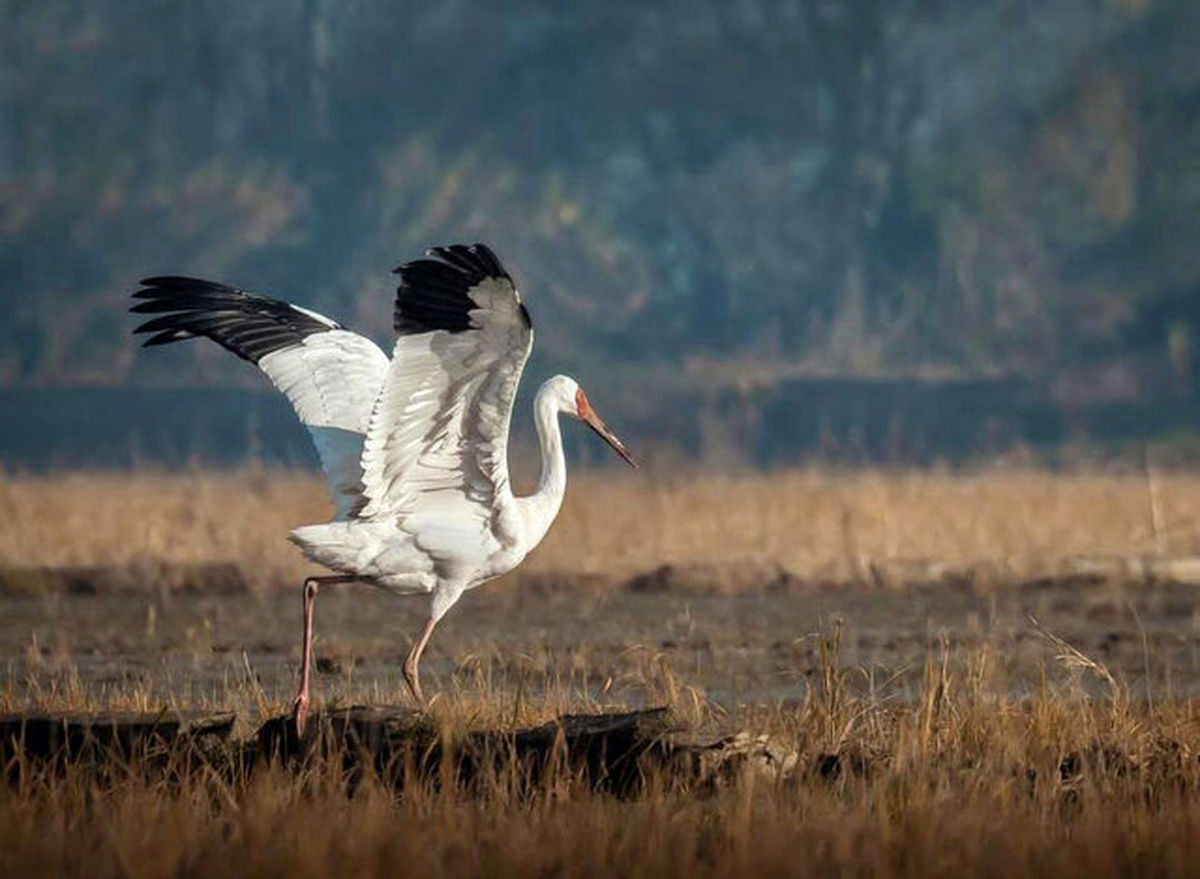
[380,550]
[414,447]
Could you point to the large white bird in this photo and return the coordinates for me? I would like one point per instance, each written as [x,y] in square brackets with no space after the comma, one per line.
[415,448]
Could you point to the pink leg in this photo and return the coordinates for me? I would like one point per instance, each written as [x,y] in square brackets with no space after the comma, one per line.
[412,672]
[301,703]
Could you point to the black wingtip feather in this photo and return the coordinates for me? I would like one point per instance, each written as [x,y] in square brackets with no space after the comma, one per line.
[165,338]
[249,326]
[434,292]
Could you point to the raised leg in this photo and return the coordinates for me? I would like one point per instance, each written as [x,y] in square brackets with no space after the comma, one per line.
[412,671]
[301,703]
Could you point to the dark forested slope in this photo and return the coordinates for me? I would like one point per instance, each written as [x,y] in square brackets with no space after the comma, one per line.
[696,198]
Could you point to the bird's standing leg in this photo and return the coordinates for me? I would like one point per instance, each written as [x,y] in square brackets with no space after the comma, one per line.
[301,702]
[412,672]
[444,597]
[300,705]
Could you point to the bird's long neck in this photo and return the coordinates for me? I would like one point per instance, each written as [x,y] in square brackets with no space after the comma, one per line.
[542,506]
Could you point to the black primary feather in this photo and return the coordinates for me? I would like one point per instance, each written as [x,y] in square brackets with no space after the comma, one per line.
[434,293]
[249,326]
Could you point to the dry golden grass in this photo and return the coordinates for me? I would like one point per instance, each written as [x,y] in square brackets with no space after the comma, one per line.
[949,771]
[816,524]
[957,782]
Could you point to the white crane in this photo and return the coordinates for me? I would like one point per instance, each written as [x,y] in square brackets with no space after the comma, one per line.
[415,448]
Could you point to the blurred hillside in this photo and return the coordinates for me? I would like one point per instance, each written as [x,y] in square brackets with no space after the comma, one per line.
[700,202]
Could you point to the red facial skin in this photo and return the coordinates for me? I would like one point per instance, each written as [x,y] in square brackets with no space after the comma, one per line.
[582,407]
[585,413]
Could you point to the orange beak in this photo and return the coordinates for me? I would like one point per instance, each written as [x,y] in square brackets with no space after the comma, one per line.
[588,415]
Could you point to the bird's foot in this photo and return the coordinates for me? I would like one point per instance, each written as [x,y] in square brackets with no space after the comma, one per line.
[422,702]
[300,714]
[414,686]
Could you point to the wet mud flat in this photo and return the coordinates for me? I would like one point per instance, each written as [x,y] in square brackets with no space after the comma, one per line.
[880,728]
[611,646]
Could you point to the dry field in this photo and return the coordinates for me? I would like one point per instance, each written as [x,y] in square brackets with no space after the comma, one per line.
[818,525]
[875,625]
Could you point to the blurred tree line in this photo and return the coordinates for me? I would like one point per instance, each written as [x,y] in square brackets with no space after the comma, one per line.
[721,195]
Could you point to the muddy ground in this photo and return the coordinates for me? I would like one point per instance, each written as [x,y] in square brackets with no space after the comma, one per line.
[629,646]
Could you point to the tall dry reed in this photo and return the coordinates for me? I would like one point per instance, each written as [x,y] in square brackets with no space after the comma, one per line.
[816,524]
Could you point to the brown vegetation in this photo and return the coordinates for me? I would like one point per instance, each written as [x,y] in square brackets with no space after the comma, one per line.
[936,732]
[957,782]
[814,524]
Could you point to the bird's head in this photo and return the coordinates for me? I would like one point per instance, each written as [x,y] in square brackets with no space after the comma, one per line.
[572,400]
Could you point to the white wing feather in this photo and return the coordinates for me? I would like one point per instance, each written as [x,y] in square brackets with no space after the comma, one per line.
[435,453]
[332,380]
[331,376]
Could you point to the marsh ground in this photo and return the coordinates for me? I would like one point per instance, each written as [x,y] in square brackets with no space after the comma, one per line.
[881,617]
[751,648]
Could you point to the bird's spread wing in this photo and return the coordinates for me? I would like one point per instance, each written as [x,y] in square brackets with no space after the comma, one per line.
[331,376]
[435,455]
